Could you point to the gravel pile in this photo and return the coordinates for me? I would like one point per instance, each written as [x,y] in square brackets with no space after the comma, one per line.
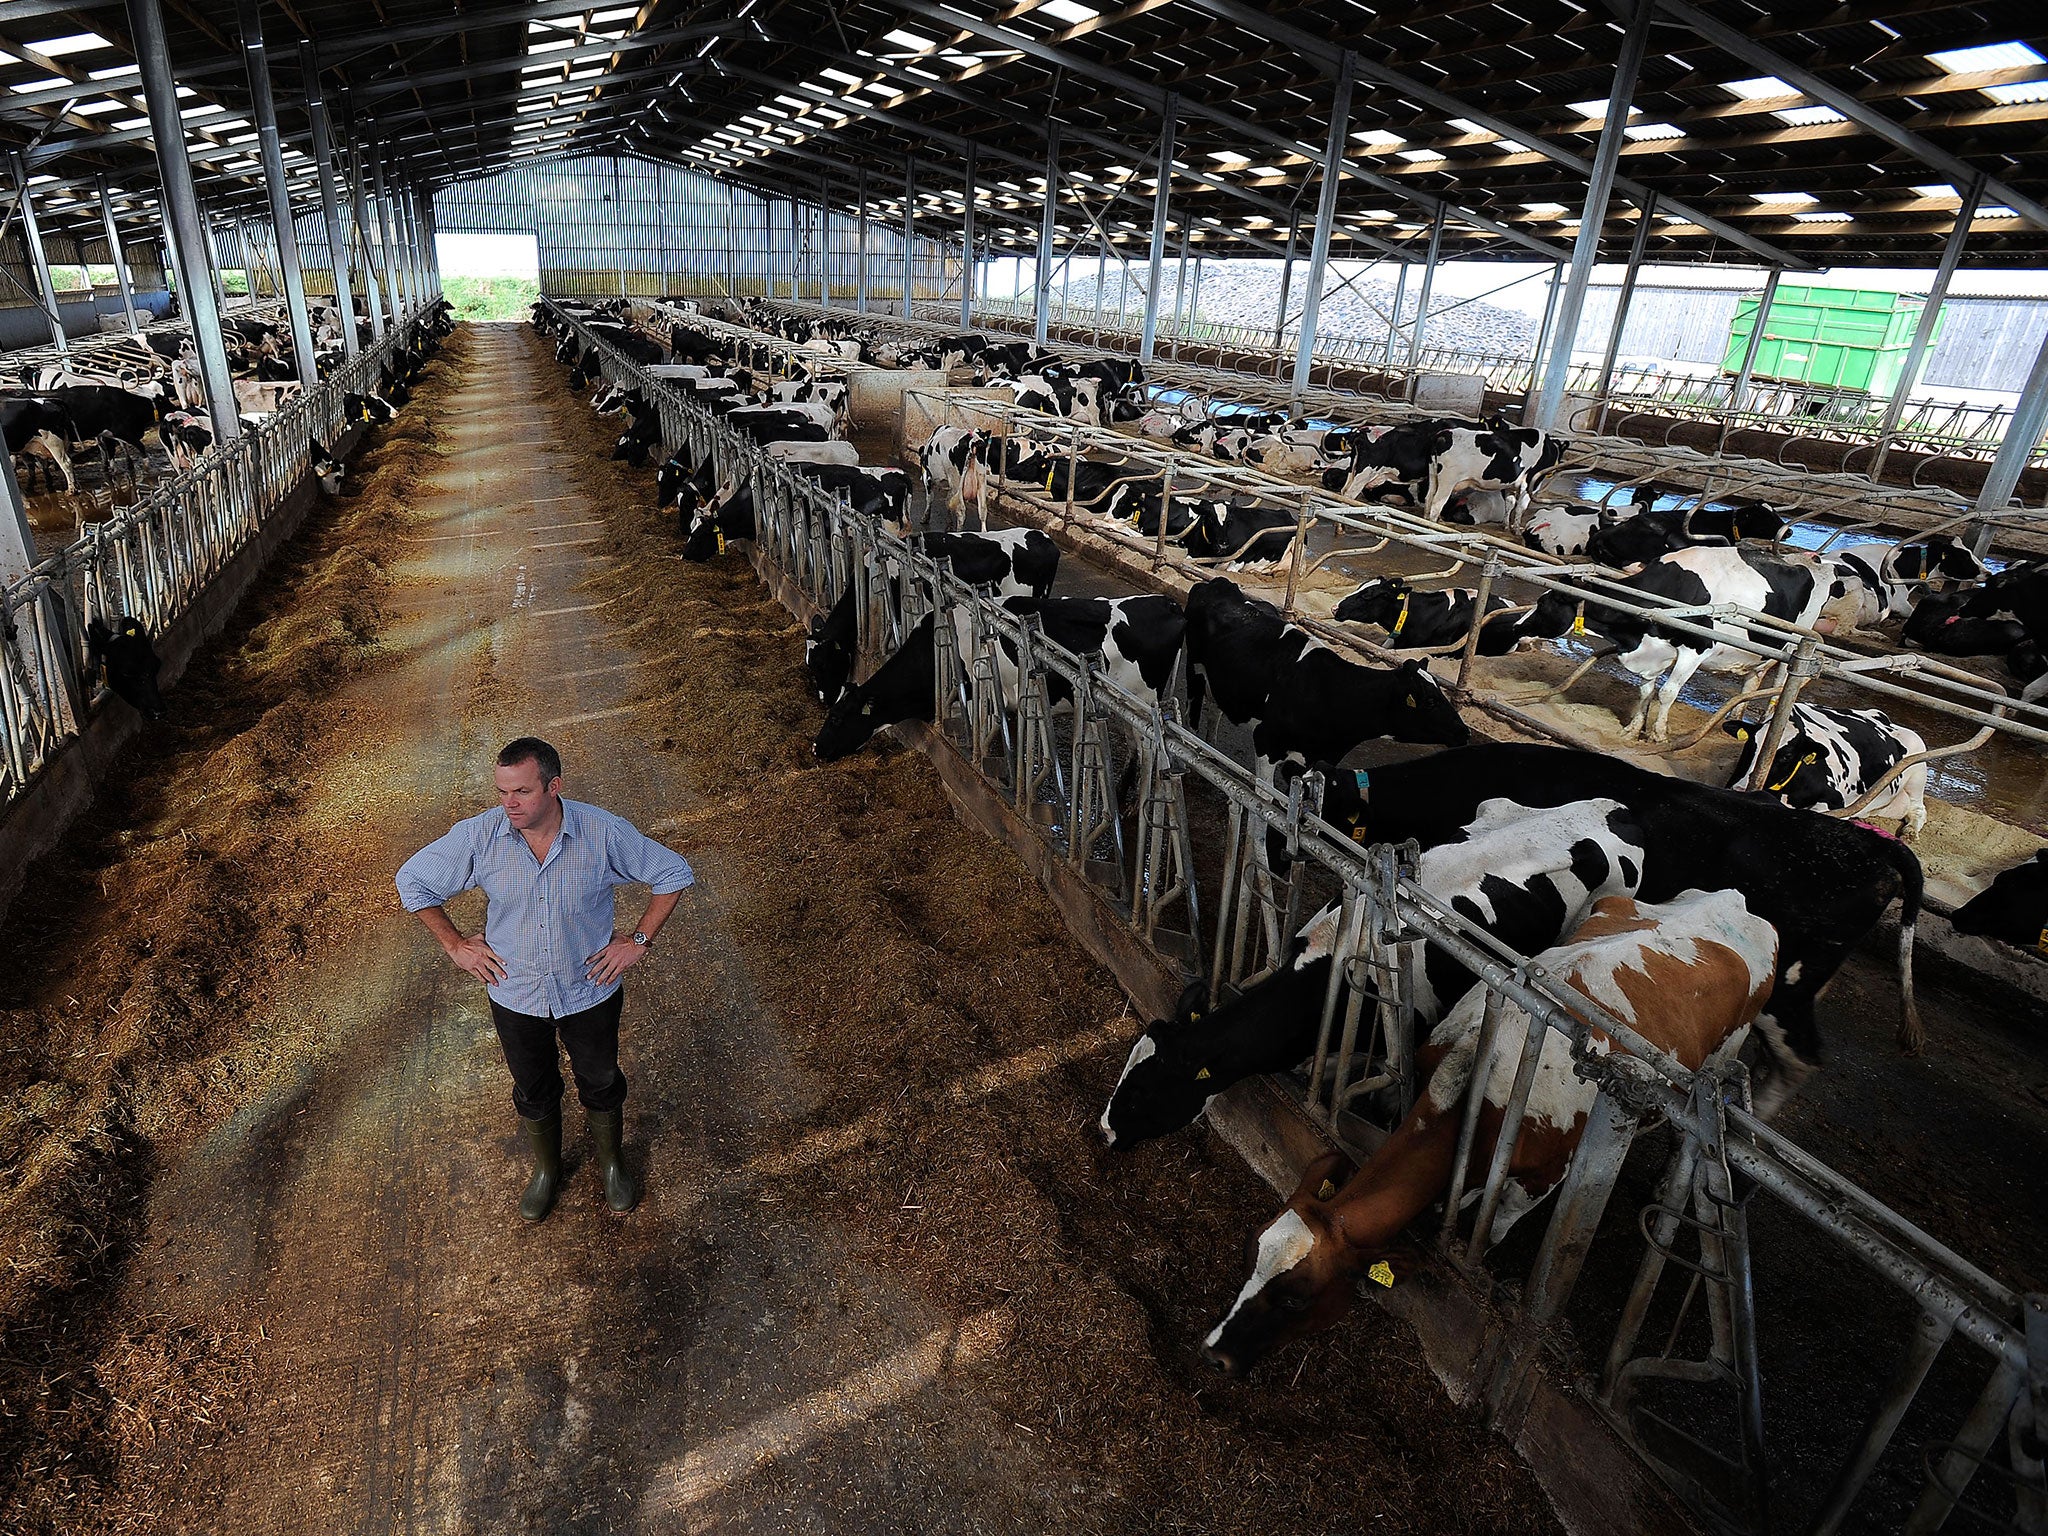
[1248,293]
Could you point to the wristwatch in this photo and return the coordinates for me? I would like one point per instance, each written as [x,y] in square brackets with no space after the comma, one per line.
[641,939]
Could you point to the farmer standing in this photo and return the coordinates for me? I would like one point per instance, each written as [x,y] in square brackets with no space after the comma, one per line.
[548,953]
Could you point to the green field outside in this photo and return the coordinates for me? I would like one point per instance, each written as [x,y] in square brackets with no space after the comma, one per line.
[490,298]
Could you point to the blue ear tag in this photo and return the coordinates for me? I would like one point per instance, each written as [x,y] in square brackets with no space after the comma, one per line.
[1363,780]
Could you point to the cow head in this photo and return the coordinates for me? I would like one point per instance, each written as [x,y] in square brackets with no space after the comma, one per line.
[131,662]
[1162,1086]
[1426,713]
[1377,602]
[1302,1273]
[828,658]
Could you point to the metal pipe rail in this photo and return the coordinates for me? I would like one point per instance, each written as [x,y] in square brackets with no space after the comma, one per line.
[84,349]
[991,702]
[1941,427]
[151,561]
[1943,689]
[1850,499]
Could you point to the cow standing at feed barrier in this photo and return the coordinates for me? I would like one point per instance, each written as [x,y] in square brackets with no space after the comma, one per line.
[124,649]
[1688,975]
[1527,877]
[1822,883]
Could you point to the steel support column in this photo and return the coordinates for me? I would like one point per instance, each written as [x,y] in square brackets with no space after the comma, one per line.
[114,254]
[824,242]
[330,205]
[181,212]
[1415,332]
[909,232]
[1287,282]
[860,256]
[1155,259]
[373,281]
[1646,211]
[2022,437]
[1326,218]
[387,247]
[270,150]
[1557,366]
[1738,396]
[430,251]
[1048,237]
[39,262]
[1930,315]
[967,244]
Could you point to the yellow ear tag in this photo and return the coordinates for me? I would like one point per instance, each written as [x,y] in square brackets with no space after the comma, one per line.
[1329,1188]
[1202,1076]
[1193,1016]
[721,539]
[2042,943]
[1382,1273]
[1579,624]
[1358,834]
[1742,734]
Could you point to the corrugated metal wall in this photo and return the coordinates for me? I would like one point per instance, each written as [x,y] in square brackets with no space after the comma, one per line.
[1985,342]
[609,224]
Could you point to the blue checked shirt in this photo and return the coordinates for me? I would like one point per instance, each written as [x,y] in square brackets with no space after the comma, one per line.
[547,917]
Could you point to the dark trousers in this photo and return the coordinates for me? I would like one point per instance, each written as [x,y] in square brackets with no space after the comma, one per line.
[592,1040]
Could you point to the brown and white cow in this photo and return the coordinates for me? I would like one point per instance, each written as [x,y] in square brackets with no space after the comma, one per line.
[1688,974]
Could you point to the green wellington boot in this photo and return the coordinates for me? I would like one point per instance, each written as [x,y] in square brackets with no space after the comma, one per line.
[545,1138]
[619,1189]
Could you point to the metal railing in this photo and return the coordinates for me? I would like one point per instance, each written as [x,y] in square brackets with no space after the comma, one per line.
[1936,428]
[992,671]
[151,561]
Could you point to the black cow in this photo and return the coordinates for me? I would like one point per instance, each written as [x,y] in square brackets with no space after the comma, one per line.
[779,427]
[1414,618]
[2014,907]
[41,420]
[901,689]
[1820,881]
[366,408]
[1942,623]
[130,661]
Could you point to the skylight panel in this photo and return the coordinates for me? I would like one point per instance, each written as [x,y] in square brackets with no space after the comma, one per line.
[616,13]
[1758,88]
[1420,156]
[1068,11]
[842,77]
[1379,138]
[1227,157]
[1466,125]
[40,83]
[1970,61]
[77,42]
[1545,210]
[1785,199]
[1597,109]
[1807,117]
[1996,211]
[1936,189]
[905,39]
[2018,95]
[1641,131]
[551,46]
[1818,217]
[100,108]
[587,74]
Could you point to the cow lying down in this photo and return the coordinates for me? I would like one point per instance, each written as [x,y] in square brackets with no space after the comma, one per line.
[1689,975]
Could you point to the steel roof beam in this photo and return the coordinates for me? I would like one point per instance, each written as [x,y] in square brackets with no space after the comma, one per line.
[399,84]
[1765,60]
[1329,57]
[1153,97]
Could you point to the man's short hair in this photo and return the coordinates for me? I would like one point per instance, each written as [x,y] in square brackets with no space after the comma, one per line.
[531,749]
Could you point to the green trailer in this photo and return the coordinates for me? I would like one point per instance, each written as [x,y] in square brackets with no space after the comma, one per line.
[1832,338]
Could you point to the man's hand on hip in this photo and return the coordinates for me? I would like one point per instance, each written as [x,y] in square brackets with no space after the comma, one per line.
[609,963]
[479,959]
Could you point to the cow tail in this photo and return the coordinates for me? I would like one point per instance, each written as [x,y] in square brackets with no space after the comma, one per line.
[1912,1036]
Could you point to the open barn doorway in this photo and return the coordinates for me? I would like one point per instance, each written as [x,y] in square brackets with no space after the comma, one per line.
[490,276]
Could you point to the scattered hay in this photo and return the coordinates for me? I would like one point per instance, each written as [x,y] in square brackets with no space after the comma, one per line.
[161,928]
[963,1044]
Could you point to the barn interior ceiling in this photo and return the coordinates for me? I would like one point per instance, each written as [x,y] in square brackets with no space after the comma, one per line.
[1799,134]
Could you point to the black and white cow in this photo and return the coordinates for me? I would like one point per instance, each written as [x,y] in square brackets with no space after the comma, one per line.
[1830,757]
[1527,876]
[1494,458]
[1014,562]
[2014,907]
[1399,457]
[1243,535]
[1794,591]
[902,688]
[41,421]
[1138,638]
[1414,618]
[1900,574]
[1822,882]
[944,459]
[130,660]
[1302,701]
[775,426]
